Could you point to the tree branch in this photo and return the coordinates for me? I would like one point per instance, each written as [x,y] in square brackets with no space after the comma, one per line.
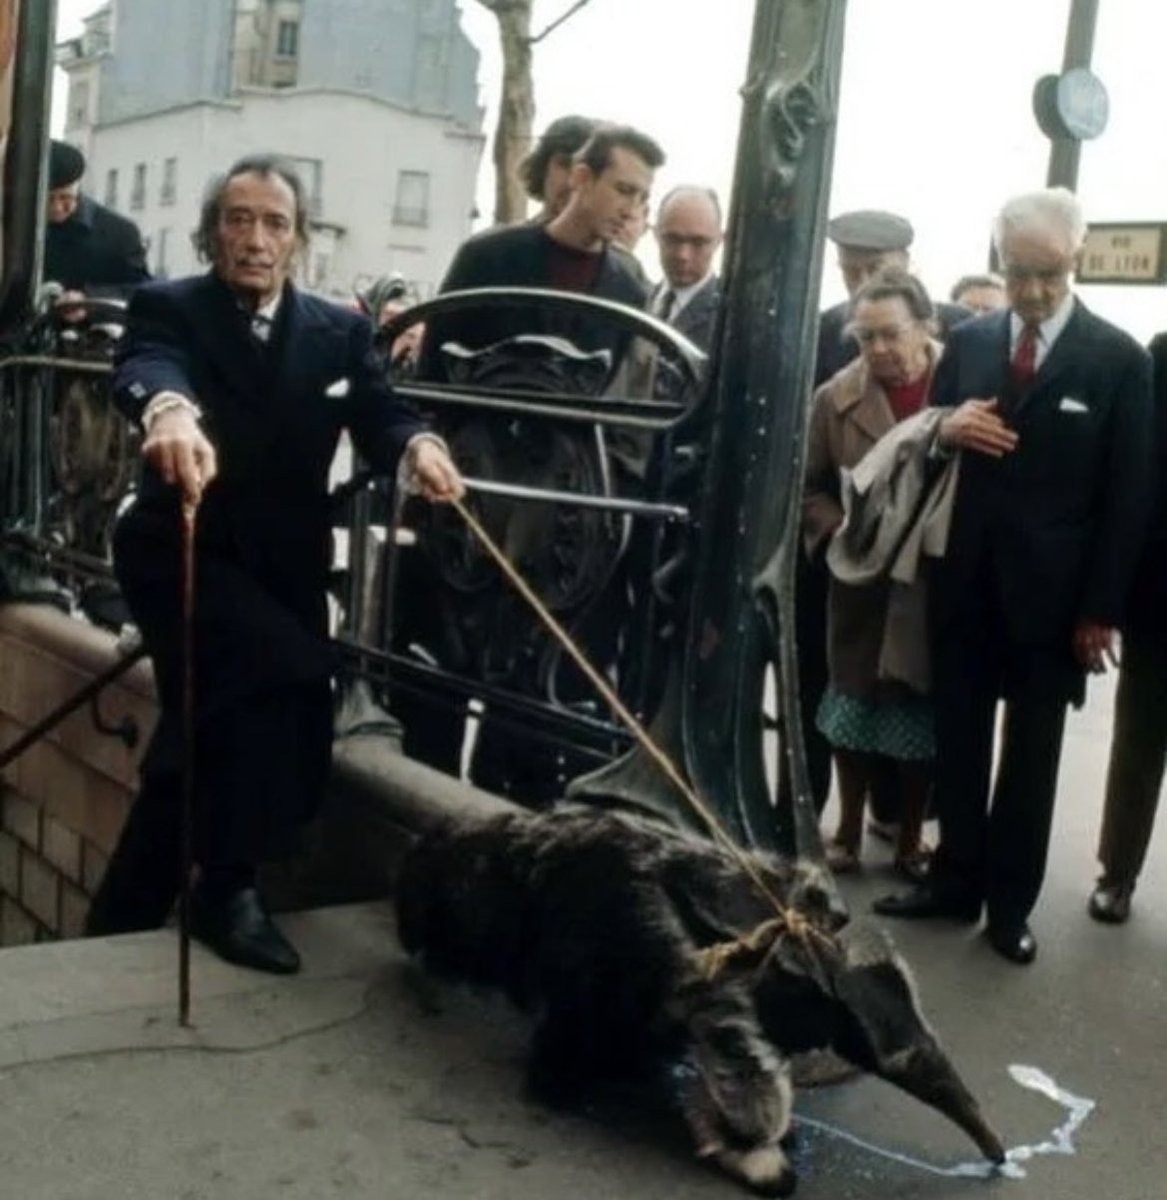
[557,22]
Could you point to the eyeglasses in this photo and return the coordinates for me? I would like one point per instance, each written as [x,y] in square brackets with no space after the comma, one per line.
[886,333]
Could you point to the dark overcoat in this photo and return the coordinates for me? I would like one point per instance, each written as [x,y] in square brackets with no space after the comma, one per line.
[521,256]
[274,413]
[1055,526]
[96,250]
[1147,609]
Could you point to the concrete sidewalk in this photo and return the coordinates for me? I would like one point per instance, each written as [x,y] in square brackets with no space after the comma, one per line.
[359,1079]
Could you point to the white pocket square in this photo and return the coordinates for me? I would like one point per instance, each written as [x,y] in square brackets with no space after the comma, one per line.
[338,389]
[1069,404]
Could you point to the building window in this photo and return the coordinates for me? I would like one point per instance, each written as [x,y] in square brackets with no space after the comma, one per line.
[288,39]
[111,188]
[311,172]
[79,103]
[321,264]
[412,206]
[138,191]
[160,267]
[169,181]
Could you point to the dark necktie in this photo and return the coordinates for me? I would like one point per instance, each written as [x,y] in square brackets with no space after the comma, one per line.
[667,301]
[1023,364]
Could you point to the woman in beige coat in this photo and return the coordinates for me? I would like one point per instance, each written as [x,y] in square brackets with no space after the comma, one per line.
[862,716]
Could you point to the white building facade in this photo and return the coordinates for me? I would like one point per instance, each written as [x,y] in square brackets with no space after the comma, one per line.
[390,183]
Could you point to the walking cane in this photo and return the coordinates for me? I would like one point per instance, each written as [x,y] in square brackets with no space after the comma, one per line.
[186,851]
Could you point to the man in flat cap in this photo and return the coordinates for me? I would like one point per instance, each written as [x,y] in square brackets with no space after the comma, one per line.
[88,249]
[867,242]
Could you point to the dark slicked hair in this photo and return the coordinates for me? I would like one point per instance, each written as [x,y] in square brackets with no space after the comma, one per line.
[265,166]
[561,139]
[596,152]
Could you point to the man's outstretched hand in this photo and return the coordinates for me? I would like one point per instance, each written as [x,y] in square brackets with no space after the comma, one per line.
[433,471]
[179,450]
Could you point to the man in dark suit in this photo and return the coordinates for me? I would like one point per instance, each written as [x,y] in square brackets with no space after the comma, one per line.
[1138,745]
[689,233]
[88,249]
[242,385]
[1051,410]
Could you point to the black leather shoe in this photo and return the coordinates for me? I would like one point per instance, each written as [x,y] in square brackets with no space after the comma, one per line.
[927,900]
[1110,903]
[239,929]
[1014,942]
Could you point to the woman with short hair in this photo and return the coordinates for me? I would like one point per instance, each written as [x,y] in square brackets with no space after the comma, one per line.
[864,717]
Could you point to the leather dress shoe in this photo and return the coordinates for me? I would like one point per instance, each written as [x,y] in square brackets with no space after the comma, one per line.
[927,900]
[1014,942]
[1110,903]
[238,928]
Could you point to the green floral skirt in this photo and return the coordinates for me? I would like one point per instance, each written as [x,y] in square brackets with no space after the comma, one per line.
[900,728]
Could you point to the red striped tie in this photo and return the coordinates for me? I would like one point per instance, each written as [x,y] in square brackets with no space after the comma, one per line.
[1023,365]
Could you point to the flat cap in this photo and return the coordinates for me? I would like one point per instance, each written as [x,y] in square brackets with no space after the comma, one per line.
[66,164]
[871,229]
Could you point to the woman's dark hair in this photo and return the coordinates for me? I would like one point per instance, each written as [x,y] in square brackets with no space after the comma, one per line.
[263,165]
[892,283]
[561,139]
[596,152]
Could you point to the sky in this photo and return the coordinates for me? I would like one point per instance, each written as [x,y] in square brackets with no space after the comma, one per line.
[935,117]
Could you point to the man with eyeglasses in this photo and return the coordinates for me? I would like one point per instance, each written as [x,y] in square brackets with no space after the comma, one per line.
[688,232]
[1051,416]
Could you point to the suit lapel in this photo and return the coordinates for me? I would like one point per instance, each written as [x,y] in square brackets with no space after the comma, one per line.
[222,330]
[304,349]
[695,313]
[861,401]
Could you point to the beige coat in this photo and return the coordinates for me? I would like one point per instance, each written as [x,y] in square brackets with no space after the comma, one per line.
[849,415]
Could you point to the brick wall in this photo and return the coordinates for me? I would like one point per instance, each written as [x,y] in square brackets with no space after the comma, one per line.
[62,802]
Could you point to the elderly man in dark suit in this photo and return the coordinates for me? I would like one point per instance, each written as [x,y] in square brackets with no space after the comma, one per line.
[1051,412]
[689,234]
[242,385]
[88,248]
[1138,747]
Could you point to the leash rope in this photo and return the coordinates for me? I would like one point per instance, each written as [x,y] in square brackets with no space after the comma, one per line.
[714,959]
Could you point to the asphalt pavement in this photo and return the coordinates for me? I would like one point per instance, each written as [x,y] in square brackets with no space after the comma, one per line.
[360,1078]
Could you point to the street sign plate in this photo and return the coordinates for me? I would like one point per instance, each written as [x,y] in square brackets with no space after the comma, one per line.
[1125,253]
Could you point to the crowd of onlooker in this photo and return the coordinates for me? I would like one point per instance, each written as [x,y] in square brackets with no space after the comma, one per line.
[983,517]
[983,513]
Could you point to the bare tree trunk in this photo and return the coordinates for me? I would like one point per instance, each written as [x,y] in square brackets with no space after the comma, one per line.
[516,109]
